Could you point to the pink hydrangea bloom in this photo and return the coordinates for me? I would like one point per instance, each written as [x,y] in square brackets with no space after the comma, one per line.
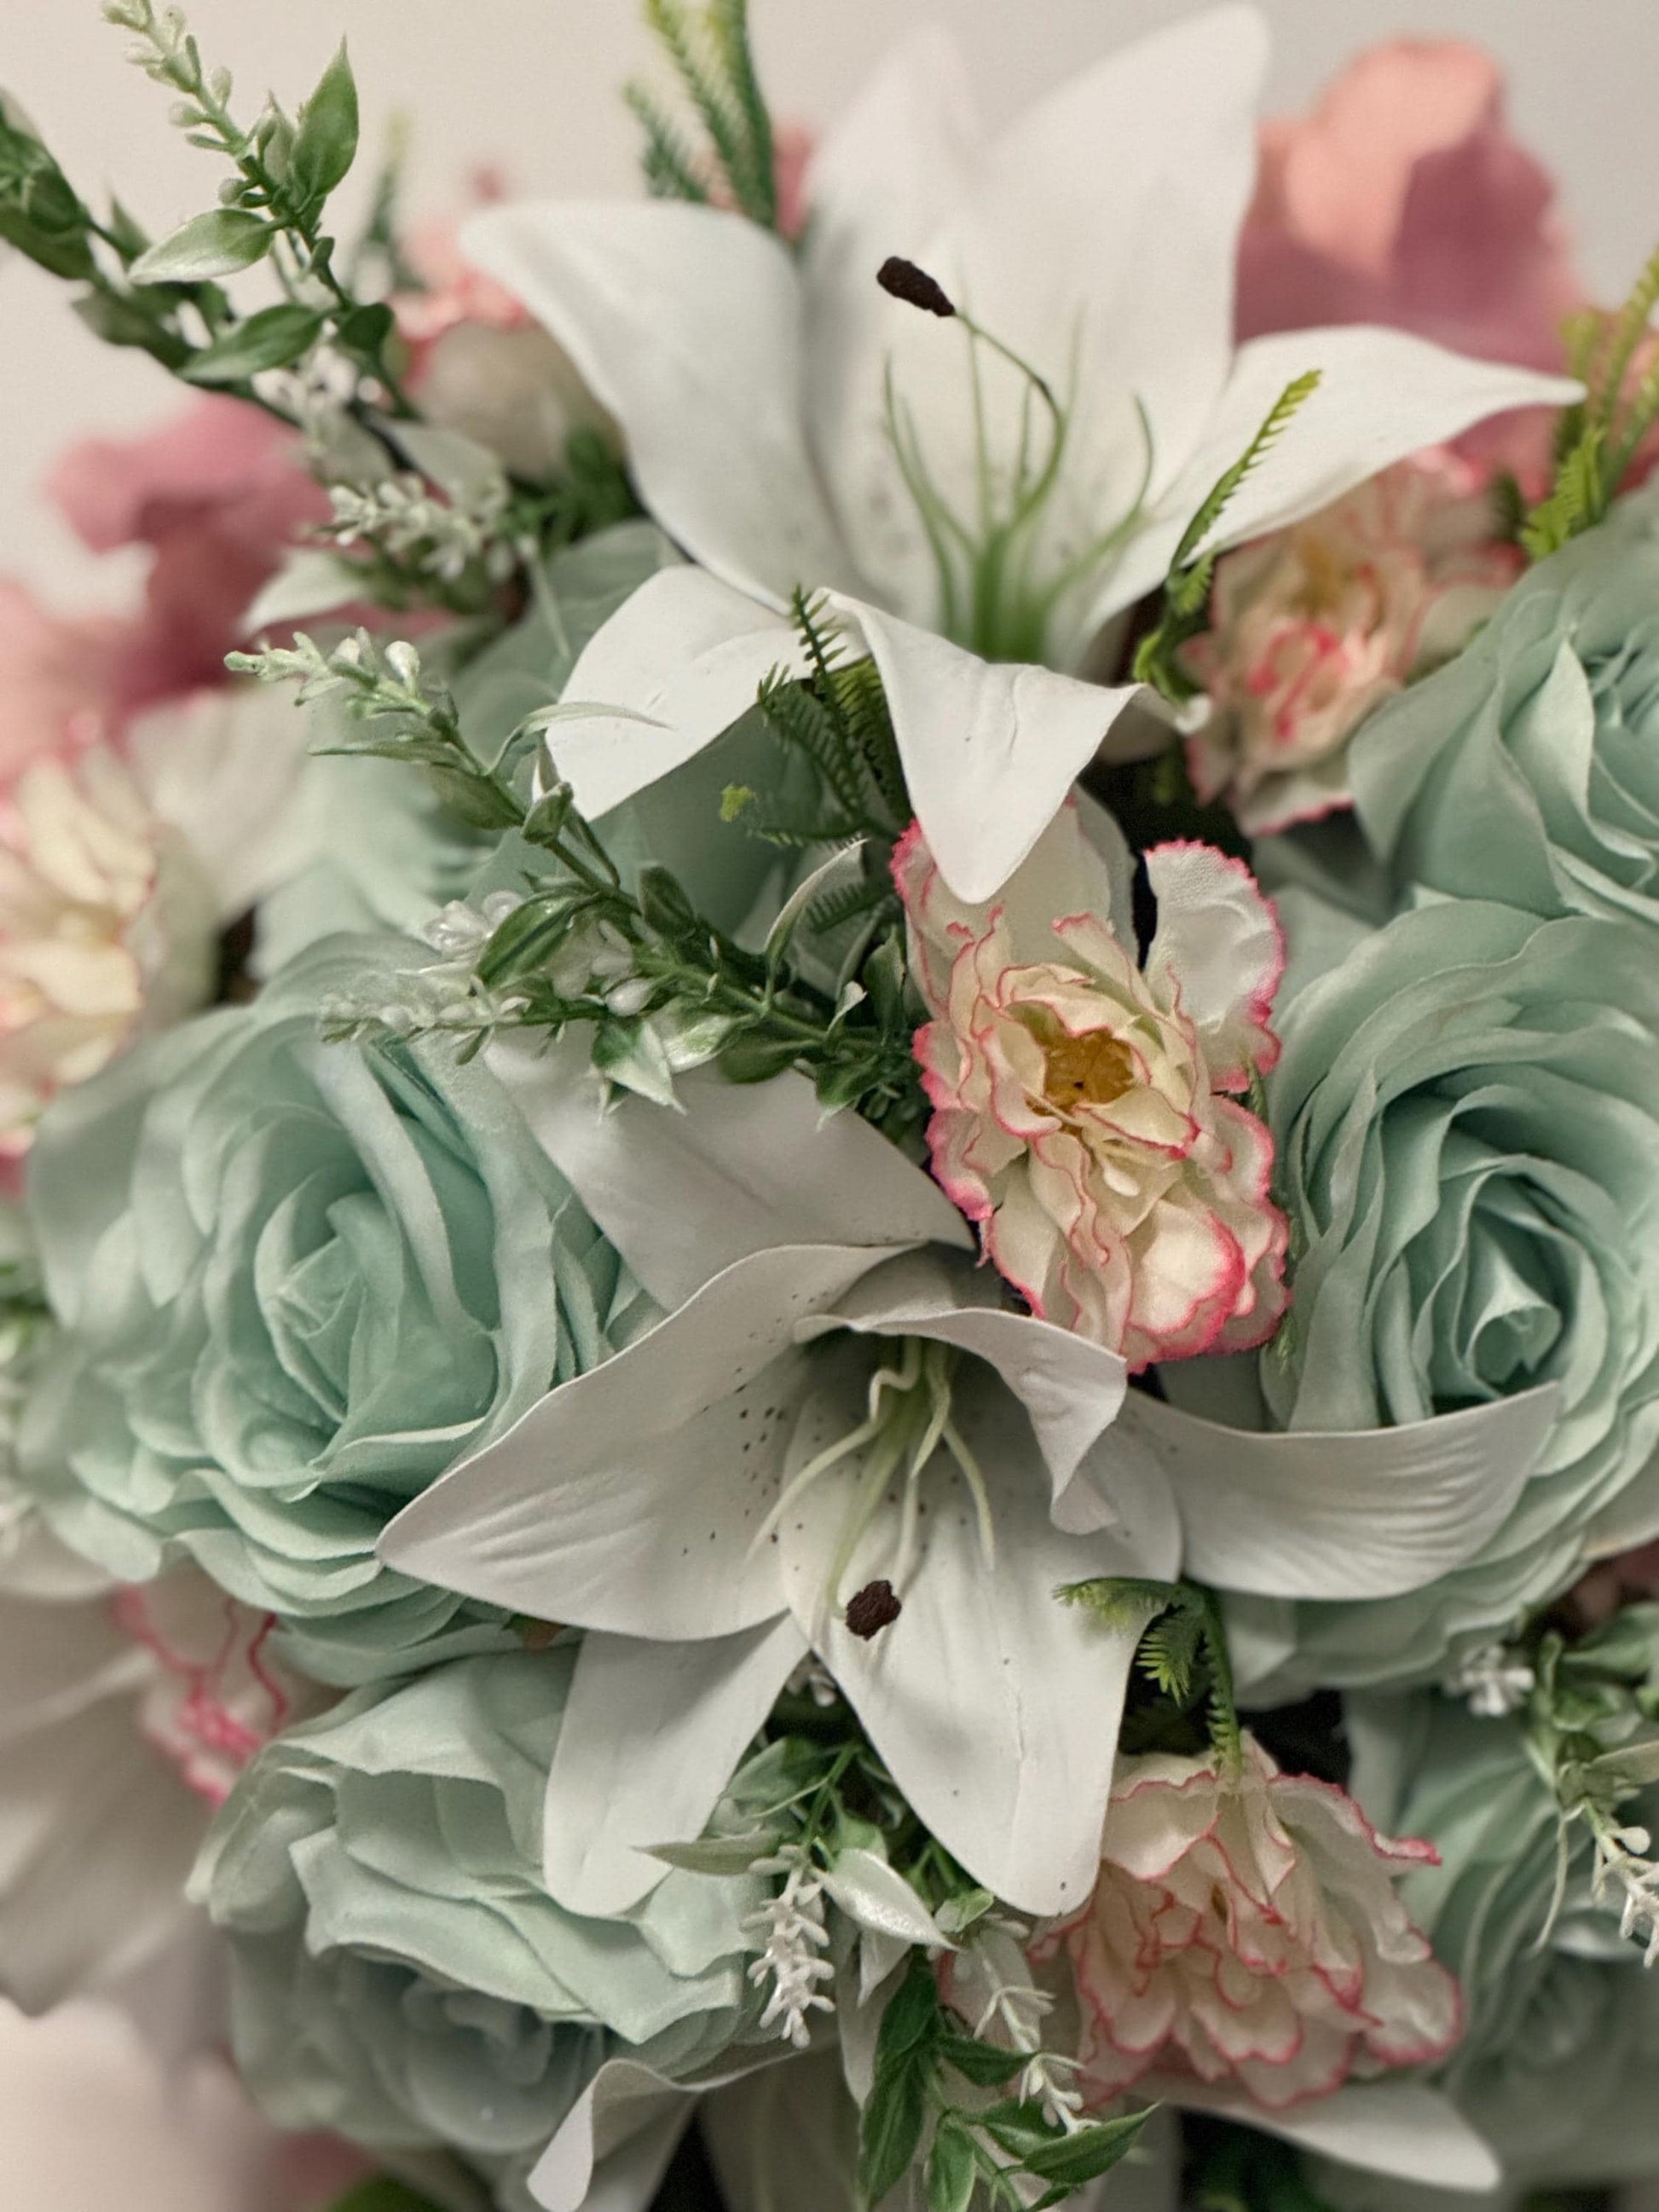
[1402,199]
[219,1692]
[1079,1110]
[1314,626]
[219,492]
[1246,1930]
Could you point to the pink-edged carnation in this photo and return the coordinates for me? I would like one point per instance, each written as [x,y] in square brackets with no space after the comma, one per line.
[219,1692]
[1314,626]
[1080,1116]
[1246,1930]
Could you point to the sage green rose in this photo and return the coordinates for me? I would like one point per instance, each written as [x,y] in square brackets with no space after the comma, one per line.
[293,1282]
[1560,2043]
[1466,1117]
[399,1974]
[1526,770]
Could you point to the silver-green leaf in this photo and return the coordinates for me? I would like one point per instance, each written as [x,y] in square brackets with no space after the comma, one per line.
[216,244]
[270,339]
[326,143]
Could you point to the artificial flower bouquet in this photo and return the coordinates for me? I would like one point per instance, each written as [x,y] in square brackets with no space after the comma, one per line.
[831,1082]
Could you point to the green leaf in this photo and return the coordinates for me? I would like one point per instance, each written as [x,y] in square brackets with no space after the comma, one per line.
[216,244]
[664,906]
[1082,2156]
[326,143]
[952,2168]
[525,941]
[270,339]
[984,2064]
[721,1855]
[478,801]
[1633,1766]
[756,1057]
[889,2134]
[384,2194]
[366,328]
[123,322]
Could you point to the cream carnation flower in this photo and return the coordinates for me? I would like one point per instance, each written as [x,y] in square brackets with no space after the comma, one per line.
[1315,625]
[1246,1930]
[1079,1117]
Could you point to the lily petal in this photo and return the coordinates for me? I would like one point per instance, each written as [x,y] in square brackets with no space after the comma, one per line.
[1072,1388]
[995,1706]
[681,661]
[629,1499]
[882,182]
[1401,2128]
[742,1167]
[686,324]
[1370,1514]
[1383,394]
[990,749]
[1218,947]
[652,1734]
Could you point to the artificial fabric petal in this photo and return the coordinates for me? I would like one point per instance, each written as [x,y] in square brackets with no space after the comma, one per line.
[630,1498]
[1401,2128]
[1369,1513]
[741,1167]
[679,661]
[1071,1387]
[1219,953]
[990,749]
[651,1736]
[685,323]
[994,1706]
[1382,395]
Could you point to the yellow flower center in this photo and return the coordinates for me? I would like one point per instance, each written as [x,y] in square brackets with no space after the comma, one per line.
[1091,1070]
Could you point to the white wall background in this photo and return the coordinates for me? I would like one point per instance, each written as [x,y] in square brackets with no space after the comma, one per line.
[532,84]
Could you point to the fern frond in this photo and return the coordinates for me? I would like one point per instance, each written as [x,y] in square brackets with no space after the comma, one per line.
[1578,501]
[797,717]
[1618,350]
[729,26]
[1222,493]
[1170,1651]
[852,903]
[1120,1601]
[670,170]
[1187,586]
[710,52]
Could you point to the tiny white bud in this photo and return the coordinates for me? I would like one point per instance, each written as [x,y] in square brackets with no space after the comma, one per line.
[405,663]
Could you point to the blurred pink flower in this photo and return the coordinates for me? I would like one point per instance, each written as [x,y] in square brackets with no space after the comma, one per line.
[219,492]
[57,680]
[1246,1929]
[1079,1114]
[1314,626]
[1402,199]
[220,1691]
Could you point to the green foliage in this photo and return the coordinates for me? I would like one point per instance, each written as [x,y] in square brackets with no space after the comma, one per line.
[325,141]
[926,2069]
[835,720]
[270,339]
[1596,438]
[1183,1646]
[693,994]
[1235,2169]
[40,214]
[1192,570]
[709,49]
[381,2193]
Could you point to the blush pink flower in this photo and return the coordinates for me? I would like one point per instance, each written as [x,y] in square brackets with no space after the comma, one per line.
[1246,1930]
[1314,626]
[219,494]
[1080,1115]
[58,679]
[1402,199]
[219,1692]
[103,921]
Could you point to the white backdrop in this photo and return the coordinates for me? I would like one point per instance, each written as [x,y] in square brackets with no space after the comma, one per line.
[532,84]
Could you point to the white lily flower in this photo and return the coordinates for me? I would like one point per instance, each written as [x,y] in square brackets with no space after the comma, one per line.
[822,1422]
[1016,478]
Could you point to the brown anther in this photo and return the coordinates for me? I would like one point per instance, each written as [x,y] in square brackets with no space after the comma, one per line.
[875,1606]
[913,286]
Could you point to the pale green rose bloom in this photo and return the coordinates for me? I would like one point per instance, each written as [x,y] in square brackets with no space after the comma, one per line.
[1528,770]
[1560,2046]
[1466,1112]
[400,1975]
[294,1281]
